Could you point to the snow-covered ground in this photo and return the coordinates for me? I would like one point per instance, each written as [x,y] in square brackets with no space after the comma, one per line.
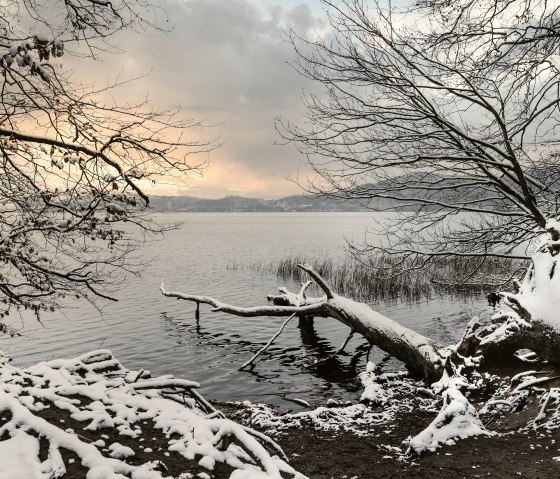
[93,411]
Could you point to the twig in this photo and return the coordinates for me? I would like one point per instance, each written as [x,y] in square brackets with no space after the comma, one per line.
[346,341]
[265,347]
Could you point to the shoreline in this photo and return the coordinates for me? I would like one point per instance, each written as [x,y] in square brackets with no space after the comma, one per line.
[323,454]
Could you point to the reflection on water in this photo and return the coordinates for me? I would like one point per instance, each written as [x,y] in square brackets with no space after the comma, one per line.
[147,330]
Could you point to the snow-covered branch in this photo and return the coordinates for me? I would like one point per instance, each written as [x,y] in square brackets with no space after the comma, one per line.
[110,415]
[421,354]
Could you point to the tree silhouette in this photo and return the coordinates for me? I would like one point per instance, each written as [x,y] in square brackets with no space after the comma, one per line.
[74,162]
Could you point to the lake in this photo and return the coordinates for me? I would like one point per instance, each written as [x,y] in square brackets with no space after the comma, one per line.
[210,255]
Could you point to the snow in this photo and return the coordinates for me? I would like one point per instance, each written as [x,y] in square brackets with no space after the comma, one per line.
[108,398]
[457,419]
[537,300]
[207,462]
[373,392]
[245,475]
[539,289]
[511,324]
[402,395]
[549,413]
[391,329]
[115,208]
[119,451]
[19,457]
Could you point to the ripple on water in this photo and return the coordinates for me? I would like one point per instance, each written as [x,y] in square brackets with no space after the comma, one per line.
[147,330]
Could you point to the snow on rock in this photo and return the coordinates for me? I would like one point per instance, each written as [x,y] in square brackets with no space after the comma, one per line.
[457,419]
[119,451]
[97,391]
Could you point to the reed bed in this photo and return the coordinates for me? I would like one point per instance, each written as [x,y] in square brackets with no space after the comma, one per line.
[390,278]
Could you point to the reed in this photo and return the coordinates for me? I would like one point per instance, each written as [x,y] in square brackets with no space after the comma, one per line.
[392,278]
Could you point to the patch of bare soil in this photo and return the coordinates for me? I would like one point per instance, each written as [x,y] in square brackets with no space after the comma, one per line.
[325,455]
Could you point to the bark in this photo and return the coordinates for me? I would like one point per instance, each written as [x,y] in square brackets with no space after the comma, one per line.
[519,326]
[525,325]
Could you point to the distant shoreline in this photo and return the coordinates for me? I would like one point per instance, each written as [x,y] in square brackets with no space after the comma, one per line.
[288,204]
[264,211]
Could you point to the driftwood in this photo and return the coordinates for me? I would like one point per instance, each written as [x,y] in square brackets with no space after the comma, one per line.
[521,326]
[422,355]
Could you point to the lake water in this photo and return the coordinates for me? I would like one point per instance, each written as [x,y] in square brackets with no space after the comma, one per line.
[209,255]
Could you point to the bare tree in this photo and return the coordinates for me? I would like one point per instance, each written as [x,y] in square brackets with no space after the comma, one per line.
[442,108]
[74,162]
[447,111]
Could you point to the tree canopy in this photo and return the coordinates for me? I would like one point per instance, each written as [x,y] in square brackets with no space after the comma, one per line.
[74,161]
[447,111]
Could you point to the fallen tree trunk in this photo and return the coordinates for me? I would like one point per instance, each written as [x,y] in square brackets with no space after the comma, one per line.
[523,326]
[421,354]
[530,319]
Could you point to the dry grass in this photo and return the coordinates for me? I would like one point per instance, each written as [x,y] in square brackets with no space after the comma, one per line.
[389,278]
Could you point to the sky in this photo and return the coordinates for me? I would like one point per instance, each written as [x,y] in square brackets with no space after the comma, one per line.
[227,62]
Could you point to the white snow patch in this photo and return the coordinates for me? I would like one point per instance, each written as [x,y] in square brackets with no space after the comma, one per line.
[539,289]
[457,419]
[359,419]
[120,400]
[373,392]
[119,451]
[19,457]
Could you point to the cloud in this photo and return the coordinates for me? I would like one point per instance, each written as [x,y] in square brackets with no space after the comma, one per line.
[228,62]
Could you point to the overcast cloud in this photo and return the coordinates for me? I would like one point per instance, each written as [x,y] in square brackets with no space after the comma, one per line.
[227,62]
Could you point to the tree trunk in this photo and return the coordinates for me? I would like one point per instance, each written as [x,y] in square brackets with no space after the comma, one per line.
[422,355]
[528,324]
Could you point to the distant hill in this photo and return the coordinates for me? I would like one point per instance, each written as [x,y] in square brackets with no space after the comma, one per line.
[406,188]
[234,204]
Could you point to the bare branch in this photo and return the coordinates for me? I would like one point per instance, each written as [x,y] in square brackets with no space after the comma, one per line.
[74,162]
[447,113]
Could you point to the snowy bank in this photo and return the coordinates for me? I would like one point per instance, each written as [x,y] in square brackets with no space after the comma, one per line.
[90,414]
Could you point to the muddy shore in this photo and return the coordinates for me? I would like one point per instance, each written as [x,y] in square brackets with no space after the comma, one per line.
[323,454]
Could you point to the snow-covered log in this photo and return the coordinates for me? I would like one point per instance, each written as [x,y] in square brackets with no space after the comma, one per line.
[527,319]
[421,354]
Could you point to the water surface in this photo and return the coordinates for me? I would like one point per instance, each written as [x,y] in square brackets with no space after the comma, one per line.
[208,256]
